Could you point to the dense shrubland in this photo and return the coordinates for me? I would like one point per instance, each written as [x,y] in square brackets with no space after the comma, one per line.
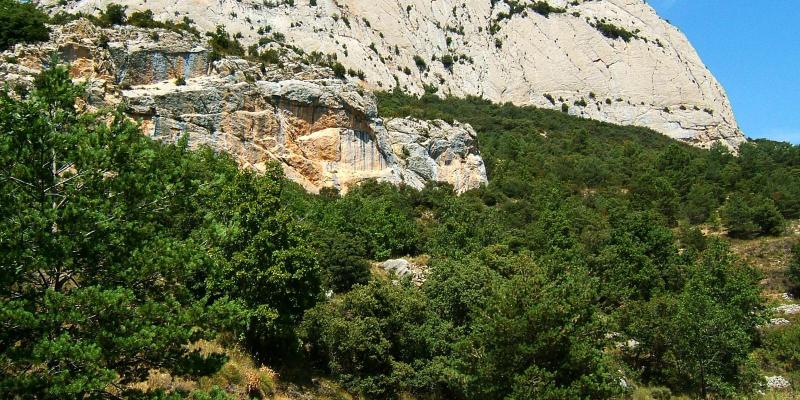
[523,146]
[579,271]
[117,252]
[21,23]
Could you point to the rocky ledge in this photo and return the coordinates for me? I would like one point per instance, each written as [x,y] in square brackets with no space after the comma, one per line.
[325,132]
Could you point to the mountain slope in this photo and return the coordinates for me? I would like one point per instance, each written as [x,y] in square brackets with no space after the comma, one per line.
[611,60]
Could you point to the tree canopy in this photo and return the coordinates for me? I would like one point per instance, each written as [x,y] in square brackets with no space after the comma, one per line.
[580,270]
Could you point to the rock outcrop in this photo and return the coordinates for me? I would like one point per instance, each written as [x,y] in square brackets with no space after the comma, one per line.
[436,151]
[611,60]
[404,269]
[325,132]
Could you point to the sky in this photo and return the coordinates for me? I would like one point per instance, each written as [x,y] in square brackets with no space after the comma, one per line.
[753,48]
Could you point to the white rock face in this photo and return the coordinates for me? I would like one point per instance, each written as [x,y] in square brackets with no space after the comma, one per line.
[405,269]
[789,309]
[502,53]
[436,151]
[777,382]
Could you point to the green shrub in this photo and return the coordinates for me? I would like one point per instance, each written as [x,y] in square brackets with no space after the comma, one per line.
[63,18]
[544,8]
[747,215]
[221,43]
[421,65]
[339,70]
[614,32]
[114,14]
[447,61]
[794,267]
[21,23]
[781,347]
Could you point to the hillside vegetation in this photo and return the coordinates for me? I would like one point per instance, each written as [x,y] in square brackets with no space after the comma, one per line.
[600,261]
[120,253]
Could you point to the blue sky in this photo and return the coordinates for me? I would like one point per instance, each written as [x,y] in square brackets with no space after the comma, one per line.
[753,48]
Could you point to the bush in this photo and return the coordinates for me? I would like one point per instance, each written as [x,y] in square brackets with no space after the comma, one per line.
[369,338]
[447,61]
[420,63]
[339,70]
[747,215]
[614,32]
[794,267]
[221,43]
[98,333]
[781,347]
[144,19]
[114,14]
[545,9]
[21,23]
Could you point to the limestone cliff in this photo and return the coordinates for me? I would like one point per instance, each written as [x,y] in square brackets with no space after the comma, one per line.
[325,132]
[611,60]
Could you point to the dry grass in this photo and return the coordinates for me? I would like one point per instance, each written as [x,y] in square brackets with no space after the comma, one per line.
[422,259]
[378,272]
[239,376]
[242,378]
[771,256]
[654,393]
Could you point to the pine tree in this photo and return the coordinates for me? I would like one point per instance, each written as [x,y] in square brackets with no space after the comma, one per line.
[92,263]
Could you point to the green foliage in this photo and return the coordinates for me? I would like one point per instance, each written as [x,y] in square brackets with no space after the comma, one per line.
[21,23]
[222,44]
[117,253]
[447,61]
[641,166]
[371,338]
[469,333]
[691,238]
[544,8]
[342,261]
[538,336]
[794,266]
[781,348]
[339,70]
[638,260]
[376,214]
[748,215]
[612,31]
[261,260]
[114,14]
[92,257]
[421,64]
[701,202]
[144,19]
[699,341]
